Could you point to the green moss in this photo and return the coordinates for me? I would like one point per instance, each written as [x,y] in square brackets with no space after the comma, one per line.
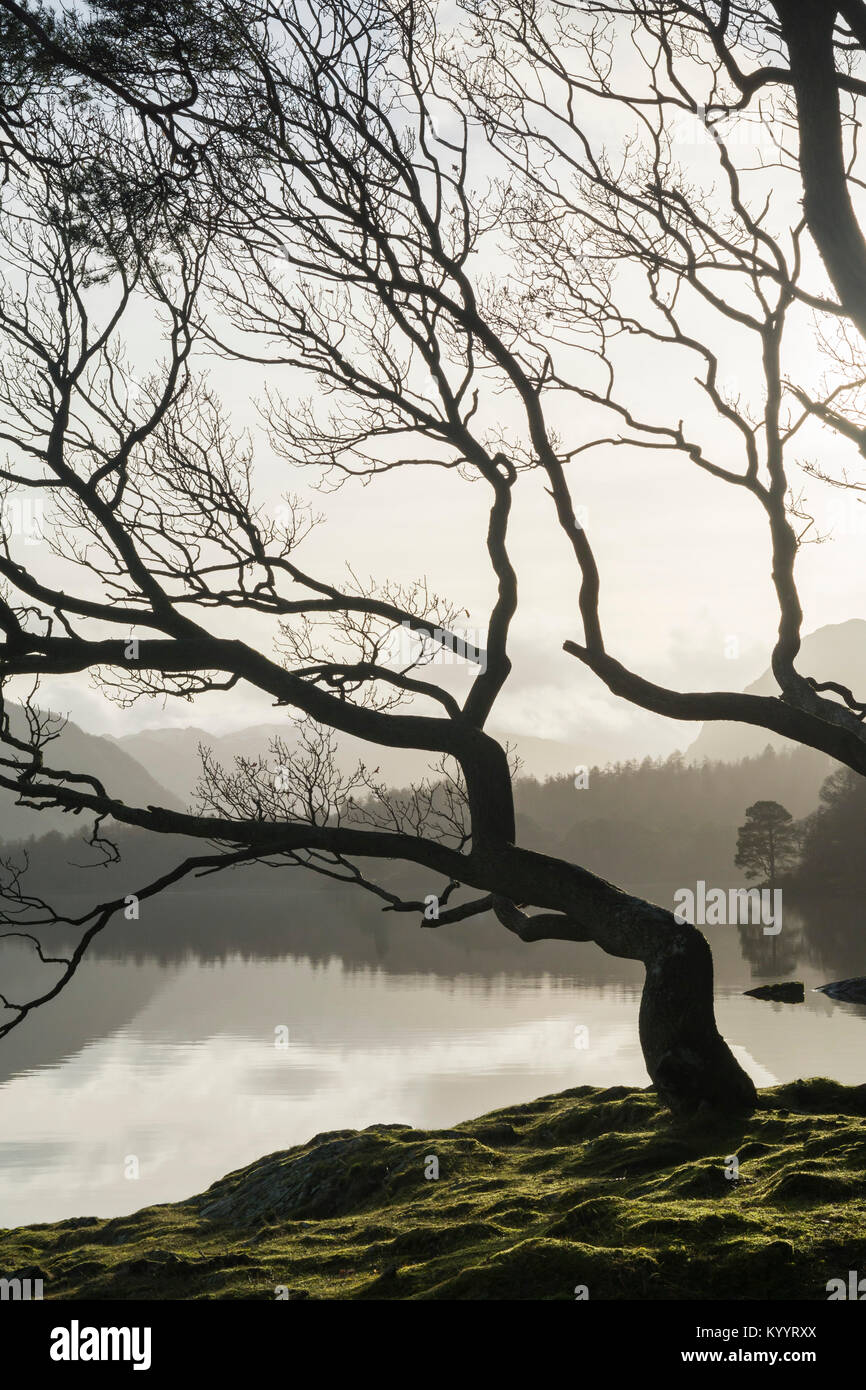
[592,1187]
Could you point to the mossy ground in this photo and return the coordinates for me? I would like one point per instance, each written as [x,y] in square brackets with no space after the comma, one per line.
[591,1187]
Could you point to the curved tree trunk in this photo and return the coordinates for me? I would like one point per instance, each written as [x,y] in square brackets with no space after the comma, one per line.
[686,1056]
[688,1060]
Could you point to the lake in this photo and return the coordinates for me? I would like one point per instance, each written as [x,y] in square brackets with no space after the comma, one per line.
[237,1022]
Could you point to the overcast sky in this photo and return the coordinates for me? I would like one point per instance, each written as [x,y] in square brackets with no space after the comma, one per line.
[686,593]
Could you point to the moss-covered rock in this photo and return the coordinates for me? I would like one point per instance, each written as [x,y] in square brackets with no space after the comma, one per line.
[594,1189]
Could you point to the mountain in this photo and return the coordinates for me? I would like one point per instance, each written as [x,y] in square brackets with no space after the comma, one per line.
[117,769]
[172,754]
[835,652]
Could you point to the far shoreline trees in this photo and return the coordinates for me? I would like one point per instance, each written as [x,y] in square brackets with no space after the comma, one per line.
[832,838]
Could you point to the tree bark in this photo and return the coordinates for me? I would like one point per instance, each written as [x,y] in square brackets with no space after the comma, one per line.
[807,29]
[688,1060]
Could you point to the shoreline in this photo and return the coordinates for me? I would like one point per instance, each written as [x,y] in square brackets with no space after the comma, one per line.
[593,1193]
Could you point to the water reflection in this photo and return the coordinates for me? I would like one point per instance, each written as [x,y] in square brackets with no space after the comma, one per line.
[164,1045]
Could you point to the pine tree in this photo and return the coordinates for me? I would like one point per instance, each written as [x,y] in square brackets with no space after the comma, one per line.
[768,842]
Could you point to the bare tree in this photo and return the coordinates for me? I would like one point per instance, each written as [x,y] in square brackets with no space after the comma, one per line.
[775,88]
[316,205]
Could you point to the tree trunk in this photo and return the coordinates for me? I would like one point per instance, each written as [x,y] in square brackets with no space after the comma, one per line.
[807,29]
[688,1060]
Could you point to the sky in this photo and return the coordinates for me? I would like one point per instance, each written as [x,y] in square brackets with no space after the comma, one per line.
[684,559]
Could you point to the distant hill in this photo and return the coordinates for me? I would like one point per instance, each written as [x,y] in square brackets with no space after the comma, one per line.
[637,822]
[120,772]
[835,652]
[645,825]
[172,754]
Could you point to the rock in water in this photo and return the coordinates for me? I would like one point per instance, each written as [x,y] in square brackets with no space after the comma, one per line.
[791,992]
[850,991]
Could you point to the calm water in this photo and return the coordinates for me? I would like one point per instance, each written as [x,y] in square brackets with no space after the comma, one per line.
[165,1049]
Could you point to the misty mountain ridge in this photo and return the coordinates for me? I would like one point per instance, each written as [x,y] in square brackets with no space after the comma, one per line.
[835,652]
[162,766]
[120,772]
[172,754]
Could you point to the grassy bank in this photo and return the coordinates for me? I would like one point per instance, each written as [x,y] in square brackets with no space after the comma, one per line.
[590,1187]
